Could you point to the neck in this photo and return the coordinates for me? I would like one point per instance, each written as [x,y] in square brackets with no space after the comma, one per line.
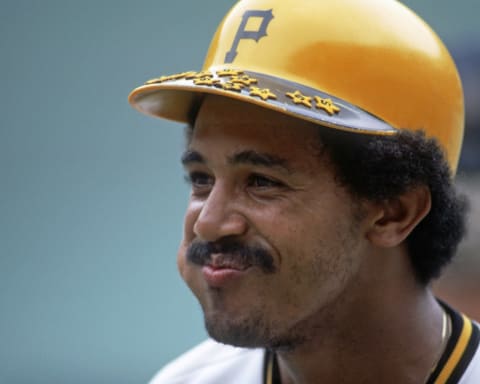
[386,335]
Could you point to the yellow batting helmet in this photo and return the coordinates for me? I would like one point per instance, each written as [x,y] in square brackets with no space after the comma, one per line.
[365,66]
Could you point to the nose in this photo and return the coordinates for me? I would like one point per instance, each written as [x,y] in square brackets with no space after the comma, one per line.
[219,216]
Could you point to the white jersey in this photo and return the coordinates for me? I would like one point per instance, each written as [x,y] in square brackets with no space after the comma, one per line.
[215,363]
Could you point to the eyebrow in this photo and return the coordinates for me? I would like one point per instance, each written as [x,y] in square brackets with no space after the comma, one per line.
[257,158]
[250,157]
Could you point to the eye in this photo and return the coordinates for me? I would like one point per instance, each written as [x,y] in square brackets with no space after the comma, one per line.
[261,181]
[199,181]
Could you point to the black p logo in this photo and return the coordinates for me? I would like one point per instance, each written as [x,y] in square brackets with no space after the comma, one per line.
[266,17]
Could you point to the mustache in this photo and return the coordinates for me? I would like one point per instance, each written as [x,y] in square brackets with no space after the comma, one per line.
[230,252]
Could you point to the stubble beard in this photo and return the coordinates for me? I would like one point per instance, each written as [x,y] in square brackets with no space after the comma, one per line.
[252,330]
[255,329]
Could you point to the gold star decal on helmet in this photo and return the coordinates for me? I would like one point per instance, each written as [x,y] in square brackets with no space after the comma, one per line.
[299,98]
[158,80]
[176,76]
[229,86]
[229,72]
[327,105]
[199,75]
[263,93]
[206,80]
[245,80]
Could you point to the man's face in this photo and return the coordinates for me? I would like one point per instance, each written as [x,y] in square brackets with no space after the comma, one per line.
[271,241]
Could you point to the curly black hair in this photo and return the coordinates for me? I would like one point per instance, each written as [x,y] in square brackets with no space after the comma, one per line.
[378,168]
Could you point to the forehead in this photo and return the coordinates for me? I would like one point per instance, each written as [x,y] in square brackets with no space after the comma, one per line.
[221,120]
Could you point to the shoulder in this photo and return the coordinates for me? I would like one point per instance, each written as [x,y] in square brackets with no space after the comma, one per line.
[211,362]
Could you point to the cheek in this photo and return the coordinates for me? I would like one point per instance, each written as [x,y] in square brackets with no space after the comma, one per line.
[188,236]
[189,220]
[190,275]
[316,244]
[181,259]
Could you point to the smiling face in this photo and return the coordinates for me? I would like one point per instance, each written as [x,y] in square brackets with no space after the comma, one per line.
[271,241]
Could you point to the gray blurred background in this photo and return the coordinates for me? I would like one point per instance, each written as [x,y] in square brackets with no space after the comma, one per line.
[92,197]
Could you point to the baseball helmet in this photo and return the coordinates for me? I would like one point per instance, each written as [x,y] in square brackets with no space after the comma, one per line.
[364,66]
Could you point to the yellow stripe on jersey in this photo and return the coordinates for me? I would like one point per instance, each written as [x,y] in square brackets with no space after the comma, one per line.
[457,353]
[269,379]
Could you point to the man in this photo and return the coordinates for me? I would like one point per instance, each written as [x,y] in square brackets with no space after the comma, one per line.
[321,144]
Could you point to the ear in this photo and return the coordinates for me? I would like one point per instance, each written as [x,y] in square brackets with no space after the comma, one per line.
[395,219]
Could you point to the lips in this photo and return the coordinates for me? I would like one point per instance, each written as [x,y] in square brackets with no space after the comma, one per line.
[230,255]
[221,270]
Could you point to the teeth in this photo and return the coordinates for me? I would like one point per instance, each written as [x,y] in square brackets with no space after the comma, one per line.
[219,262]
[228,265]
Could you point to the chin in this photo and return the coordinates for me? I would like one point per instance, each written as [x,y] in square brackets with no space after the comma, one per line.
[251,332]
[245,332]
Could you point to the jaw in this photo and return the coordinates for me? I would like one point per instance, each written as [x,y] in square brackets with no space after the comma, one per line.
[259,311]
[246,326]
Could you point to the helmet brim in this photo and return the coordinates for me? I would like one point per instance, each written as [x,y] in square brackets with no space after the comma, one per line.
[178,98]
